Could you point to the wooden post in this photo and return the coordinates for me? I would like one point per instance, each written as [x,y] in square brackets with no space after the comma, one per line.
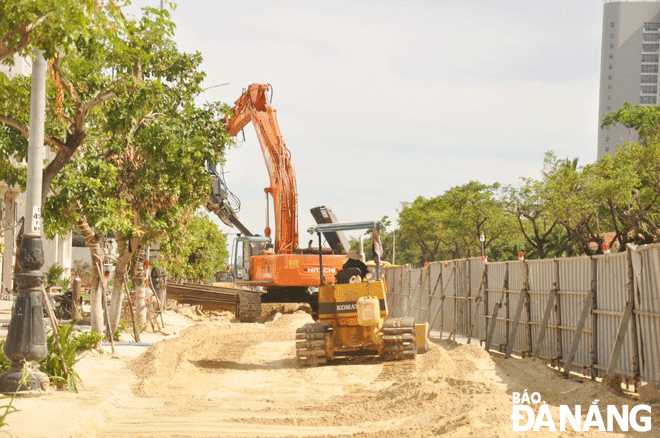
[507,303]
[76,312]
[455,294]
[486,294]
[514,331]
[546,319]
[477,302]
[438,282]
[560,348]
[493,319]
[528,307]
[594,319]
[578,331]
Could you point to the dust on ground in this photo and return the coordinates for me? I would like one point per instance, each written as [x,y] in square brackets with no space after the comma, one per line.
[225,379]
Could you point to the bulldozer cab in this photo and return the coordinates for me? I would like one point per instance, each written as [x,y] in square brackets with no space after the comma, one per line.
[320,229]
[243,248]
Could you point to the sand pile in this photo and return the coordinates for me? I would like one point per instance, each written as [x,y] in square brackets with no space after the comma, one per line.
[218,377]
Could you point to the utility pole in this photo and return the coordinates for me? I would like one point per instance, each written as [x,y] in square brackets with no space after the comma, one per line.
[26,338]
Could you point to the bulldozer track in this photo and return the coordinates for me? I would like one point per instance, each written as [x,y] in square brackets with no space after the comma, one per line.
[312,342]
[399,339]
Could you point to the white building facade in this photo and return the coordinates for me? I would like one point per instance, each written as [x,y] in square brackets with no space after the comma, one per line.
[629,64]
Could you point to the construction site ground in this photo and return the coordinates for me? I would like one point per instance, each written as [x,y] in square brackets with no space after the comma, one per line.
[208,376]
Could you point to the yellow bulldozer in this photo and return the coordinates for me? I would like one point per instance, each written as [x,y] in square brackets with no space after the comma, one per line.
[351,317]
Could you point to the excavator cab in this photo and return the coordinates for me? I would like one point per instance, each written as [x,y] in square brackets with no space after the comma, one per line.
[243,249]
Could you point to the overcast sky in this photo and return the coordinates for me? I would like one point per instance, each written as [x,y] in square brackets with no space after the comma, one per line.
[380,102]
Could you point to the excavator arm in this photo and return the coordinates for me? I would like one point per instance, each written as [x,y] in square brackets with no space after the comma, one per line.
[253,107]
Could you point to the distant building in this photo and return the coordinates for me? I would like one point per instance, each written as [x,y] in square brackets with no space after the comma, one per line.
[629,64]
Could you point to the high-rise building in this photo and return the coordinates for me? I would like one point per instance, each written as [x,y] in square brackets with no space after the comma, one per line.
[629,64]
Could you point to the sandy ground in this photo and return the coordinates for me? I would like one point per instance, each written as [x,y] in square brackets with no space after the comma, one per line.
[211,377]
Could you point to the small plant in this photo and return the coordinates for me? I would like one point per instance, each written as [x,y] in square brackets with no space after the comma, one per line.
[52,364]
[5,363]
[54,274]
[8,408]
[120,329]
[87,340]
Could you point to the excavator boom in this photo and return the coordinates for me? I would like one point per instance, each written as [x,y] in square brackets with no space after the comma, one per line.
[253,107]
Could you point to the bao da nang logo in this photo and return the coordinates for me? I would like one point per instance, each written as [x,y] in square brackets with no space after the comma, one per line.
[524,417]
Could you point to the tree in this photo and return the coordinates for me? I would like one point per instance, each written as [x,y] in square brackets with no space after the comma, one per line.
[194,251]
[475,209]
[120,102]
[449,226]
[570,204]
[160,141]
[638,164]
[50,25]
[421,222]
[543,234]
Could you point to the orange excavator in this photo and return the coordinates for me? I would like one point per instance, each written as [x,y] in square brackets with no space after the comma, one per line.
[283,269]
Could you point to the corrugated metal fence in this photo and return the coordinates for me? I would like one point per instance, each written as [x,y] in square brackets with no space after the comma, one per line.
[598,315]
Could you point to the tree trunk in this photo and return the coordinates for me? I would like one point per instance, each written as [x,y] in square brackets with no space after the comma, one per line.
[93,241]
[139,278]
[123,257]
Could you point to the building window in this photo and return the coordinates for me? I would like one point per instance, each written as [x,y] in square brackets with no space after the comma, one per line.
[611,36]
[609,108]
[651,27]
[650,47]
[607,149]
[609,77]
[611,45]
[650,58]
[607,139]
[612,24]
[652,37]
[611,66]
[609,87]
[649,89]
[649,79]
[649,68]
[611,56]
[648,100]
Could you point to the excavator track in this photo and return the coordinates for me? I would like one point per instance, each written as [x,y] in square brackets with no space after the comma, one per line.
[313,341]
[399,339]
[248,306]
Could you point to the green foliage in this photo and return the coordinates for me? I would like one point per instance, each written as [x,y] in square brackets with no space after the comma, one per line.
[72,343]
[54,274]
[8,409]
[52,25]
[87,340]
[120,329]
[449,226]
[196,250]
[52,364]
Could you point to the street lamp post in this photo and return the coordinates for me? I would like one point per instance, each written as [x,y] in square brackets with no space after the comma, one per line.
[482,238]
[26,337]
